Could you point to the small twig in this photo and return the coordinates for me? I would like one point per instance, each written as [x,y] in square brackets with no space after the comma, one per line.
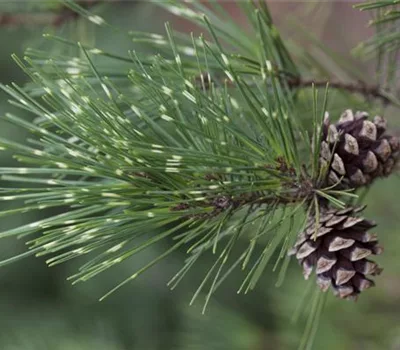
[360,88]
[296,192]
[223,202]
[296,82]
[36,19]
[56,18]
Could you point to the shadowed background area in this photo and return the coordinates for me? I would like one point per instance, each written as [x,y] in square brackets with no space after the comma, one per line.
[41,310]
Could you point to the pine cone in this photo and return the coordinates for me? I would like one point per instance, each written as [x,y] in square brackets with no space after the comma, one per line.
[339,252]
[357,149]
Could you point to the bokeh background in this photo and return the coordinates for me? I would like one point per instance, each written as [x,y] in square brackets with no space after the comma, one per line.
[39,309]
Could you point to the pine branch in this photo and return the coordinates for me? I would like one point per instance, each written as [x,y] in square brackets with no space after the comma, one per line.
[40,19]
[143,153]
[53,18]
[360,88]
[143,172]
[297,192]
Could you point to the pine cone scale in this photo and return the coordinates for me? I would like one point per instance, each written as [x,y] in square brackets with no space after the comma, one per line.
[368,131]
[344,290]
[369,162]
[339,243]
[343,276]
[325,263]
[365,267]
[324,282]
[355,253]
[350,222]
[336,219]
[306,249]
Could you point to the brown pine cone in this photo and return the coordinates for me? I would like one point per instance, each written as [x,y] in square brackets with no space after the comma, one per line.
[338,250]
[357,149]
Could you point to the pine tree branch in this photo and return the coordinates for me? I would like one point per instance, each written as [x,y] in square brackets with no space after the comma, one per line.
[296,191]
[51,18]
[222,203]
[366,90]
[38,19]
[168,160]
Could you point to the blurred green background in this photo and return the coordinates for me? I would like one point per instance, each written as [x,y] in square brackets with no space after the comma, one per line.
[41,310]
